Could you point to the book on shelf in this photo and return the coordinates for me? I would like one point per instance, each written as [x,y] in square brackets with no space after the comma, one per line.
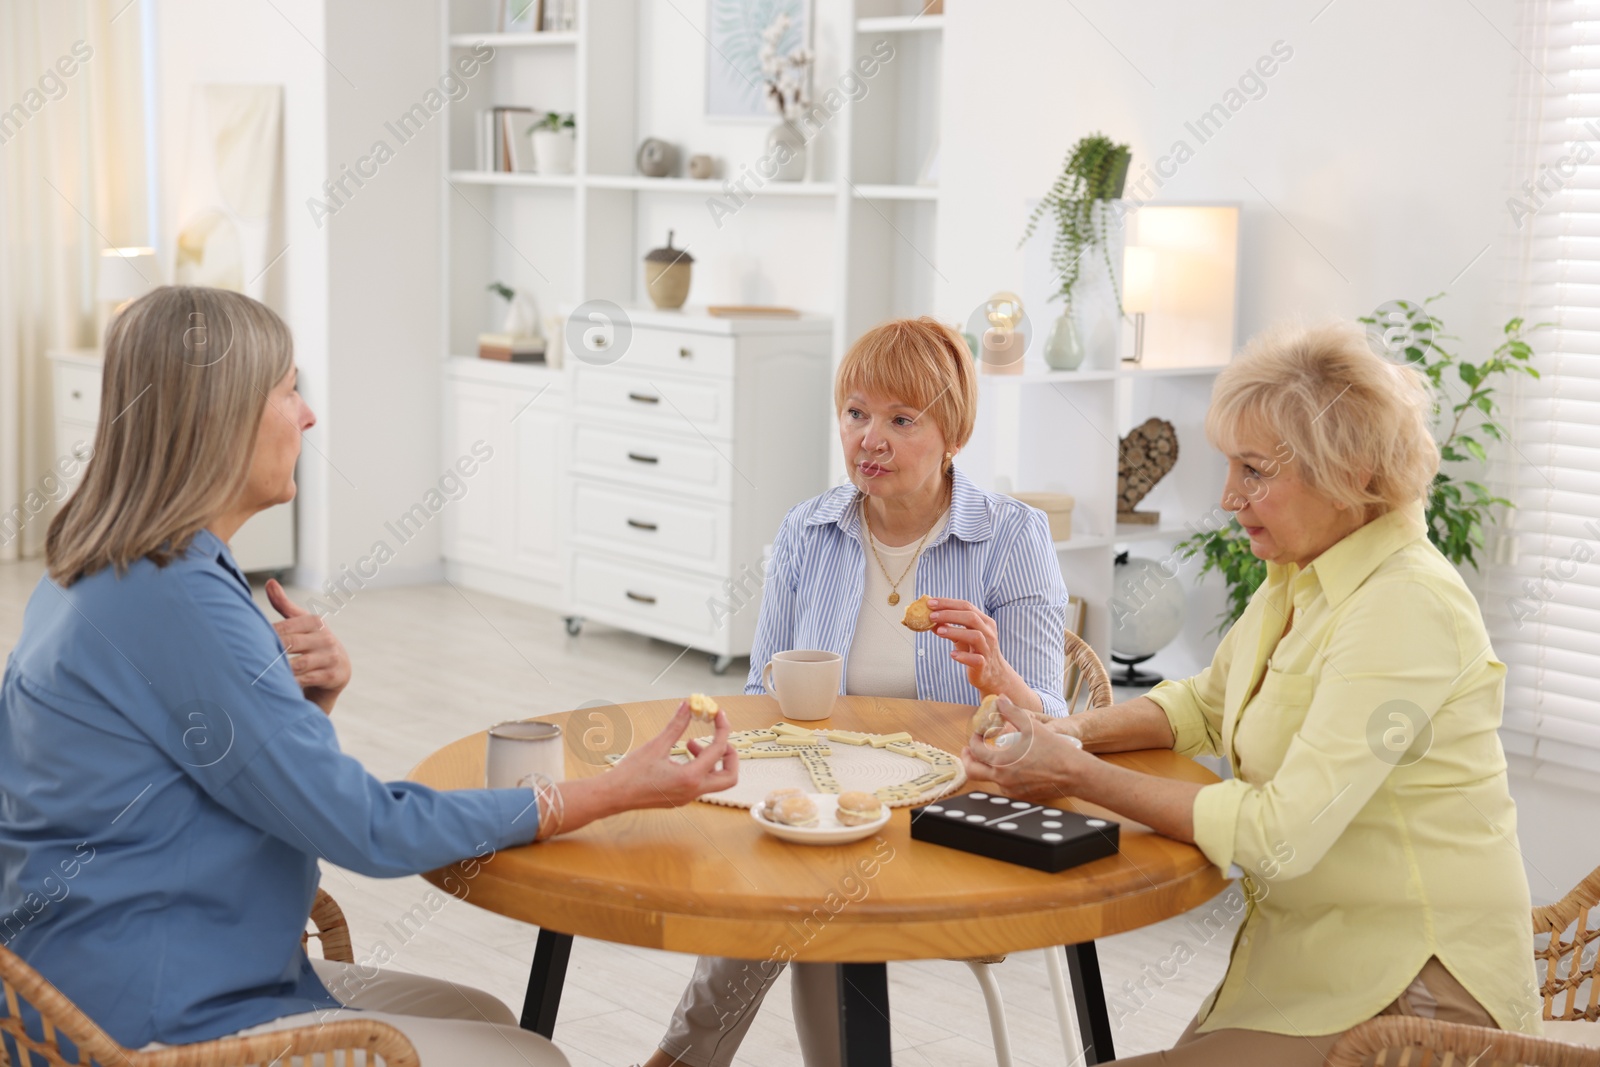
[509,348]
[503,143]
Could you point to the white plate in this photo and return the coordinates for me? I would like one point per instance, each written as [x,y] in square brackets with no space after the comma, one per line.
[828,830]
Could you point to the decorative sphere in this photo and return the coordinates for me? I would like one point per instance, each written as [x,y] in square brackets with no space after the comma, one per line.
[1146,608]
[1004,310]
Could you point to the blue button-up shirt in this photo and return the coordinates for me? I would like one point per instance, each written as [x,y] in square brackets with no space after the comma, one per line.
[994,552]
[166,791]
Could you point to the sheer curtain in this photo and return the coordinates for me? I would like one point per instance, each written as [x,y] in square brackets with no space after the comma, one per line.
[72,182]
[1543,600]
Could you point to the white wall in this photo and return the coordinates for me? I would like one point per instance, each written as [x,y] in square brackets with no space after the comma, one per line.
[202,41]
[1374,166]
[1383,141]
[359,289]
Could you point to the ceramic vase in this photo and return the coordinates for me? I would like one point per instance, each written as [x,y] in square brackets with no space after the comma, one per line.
[791,164]
[1063,349]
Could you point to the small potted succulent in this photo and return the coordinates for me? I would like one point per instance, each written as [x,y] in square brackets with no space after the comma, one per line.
[554,142]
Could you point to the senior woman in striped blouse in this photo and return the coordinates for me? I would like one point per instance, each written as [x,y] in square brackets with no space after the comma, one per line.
[1357,701]
[845,563]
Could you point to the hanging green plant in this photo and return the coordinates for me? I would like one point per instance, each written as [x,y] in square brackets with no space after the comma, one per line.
[1094,171]
[1459,508]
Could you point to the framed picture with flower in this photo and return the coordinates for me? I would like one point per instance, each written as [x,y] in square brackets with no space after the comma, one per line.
[756,51]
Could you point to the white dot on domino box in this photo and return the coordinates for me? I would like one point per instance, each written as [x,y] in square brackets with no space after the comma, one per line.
[979,796]
[1096,823]
[1052,838]
[1019,804]
[1050,813]
[935,808]
[976,818]
[955,814]
[1051,824]
[1008,826]
[998,800]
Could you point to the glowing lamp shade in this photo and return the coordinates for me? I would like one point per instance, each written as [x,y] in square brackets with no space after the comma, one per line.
[1138,278]
[125,274]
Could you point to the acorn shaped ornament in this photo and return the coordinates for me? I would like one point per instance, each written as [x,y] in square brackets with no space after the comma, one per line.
[666,275]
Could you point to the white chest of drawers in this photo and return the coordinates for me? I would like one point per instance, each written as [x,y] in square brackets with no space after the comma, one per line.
[684,455]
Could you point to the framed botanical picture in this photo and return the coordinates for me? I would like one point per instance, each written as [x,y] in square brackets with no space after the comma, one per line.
[735,85]
[520,16]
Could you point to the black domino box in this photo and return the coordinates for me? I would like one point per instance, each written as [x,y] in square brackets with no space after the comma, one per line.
[1015,831]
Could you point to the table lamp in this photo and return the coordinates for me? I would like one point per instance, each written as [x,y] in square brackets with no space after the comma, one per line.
[125,275]
[1138,291]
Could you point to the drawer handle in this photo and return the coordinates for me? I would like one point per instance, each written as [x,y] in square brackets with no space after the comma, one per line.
[640,597]
[644,398]
[637,458]
[77,394]
[637,525]
[684,353]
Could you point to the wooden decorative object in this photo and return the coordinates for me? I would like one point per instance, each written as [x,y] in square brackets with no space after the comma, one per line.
[1146,455]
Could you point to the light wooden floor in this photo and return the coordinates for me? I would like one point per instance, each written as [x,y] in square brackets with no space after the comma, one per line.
[433,663]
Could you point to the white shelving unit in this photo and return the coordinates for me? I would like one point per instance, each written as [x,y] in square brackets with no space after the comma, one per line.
[867,209]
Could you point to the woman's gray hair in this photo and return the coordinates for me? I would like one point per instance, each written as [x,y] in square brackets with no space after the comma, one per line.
[187,375]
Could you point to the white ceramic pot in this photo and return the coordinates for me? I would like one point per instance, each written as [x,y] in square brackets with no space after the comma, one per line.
[553,151]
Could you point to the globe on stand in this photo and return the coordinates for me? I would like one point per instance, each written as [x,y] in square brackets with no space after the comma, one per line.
[1146,615]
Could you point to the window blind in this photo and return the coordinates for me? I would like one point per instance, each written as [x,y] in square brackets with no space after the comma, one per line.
[1542,598]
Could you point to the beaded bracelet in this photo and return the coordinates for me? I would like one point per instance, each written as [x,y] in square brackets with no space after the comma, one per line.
[552,805]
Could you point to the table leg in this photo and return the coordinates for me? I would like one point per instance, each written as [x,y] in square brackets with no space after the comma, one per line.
[863,1015]
[545,980]
[1094,1024]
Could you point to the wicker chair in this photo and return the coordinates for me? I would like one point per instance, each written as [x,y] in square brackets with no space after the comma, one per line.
[60,1018]
[1414,1042]
[1086,681]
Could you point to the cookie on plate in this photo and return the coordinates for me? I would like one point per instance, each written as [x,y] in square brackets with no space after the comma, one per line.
[797,810]
[856,808]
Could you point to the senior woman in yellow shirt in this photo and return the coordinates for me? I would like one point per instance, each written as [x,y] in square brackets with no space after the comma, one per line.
[1356,701]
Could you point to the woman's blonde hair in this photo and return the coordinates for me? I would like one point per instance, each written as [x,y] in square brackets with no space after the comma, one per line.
[1357,425]
[187,374]
[920,362]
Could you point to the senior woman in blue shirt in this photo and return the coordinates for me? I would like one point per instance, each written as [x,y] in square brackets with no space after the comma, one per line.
[169,776]
[845,564]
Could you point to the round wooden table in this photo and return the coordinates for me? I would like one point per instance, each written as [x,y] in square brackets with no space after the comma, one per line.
[705,879]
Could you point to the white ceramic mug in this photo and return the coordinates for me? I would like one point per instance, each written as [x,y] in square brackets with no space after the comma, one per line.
[805,681]
[520,749]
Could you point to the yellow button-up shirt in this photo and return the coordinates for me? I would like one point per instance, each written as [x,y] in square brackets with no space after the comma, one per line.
[1369,814]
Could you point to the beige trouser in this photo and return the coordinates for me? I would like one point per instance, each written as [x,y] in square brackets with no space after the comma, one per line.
[721,1001]
[1435,994]
[449,1025]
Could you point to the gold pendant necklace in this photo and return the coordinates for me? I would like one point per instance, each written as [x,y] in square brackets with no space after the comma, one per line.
[894,583]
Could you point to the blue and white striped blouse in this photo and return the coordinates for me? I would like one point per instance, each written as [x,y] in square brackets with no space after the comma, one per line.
[994,552]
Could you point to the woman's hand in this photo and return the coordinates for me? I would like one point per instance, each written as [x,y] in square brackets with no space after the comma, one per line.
[648,777]
[653,779]
[977,647]
[320,663]
[1033,761]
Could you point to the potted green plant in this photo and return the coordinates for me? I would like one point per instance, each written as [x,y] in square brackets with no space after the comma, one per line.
[554,142]
[1458,507]
[1092,175]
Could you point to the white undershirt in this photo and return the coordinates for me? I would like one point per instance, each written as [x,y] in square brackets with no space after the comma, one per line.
[883,655]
